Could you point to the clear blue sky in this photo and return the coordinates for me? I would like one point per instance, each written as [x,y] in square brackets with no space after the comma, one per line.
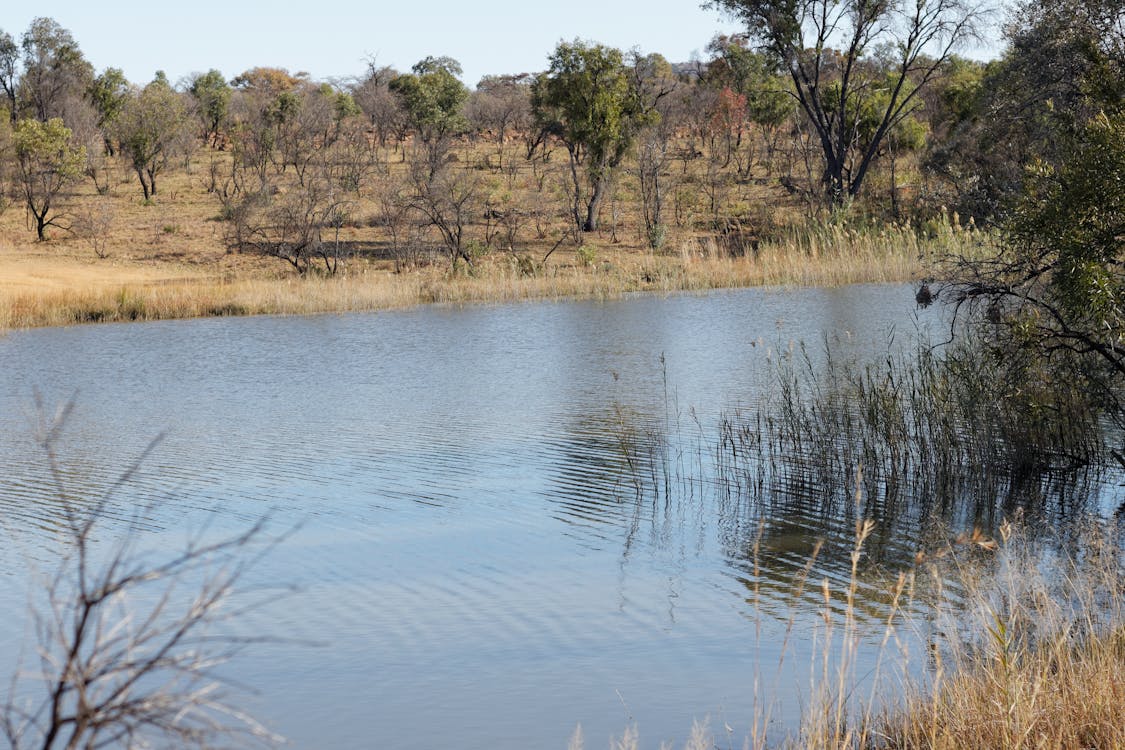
[331,38]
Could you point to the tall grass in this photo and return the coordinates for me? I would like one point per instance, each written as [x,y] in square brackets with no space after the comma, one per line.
[1004,643]
[1009,635]
[944,424]
[817,255]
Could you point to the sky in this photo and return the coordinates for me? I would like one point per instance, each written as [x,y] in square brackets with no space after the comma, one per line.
[331,39]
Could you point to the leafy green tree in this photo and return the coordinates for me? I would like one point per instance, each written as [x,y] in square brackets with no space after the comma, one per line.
[343,106]
[150,130]
[1064,64]
[108,93]
[433,97]
[1056,291]
[212,98]
[915,37]
[587,99]
[47,161]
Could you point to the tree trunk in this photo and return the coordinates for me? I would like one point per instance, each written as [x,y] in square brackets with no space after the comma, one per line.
[836,190]
[594,207]
[144,184]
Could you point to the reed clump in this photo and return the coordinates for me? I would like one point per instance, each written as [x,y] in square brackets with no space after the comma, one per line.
[933,427]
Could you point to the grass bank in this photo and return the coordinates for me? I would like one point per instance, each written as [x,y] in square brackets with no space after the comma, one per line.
[58,291]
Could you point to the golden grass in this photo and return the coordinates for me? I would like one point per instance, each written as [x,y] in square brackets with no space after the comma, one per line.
[1041,663]
[1059,696]
[168,259]
[1028,654]
[51,291]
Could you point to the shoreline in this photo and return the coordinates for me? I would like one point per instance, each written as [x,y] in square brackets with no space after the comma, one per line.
[74,291]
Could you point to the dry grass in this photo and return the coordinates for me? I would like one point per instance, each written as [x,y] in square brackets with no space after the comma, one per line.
[1007,644]
[62,290]
[130,260]
[1040,661]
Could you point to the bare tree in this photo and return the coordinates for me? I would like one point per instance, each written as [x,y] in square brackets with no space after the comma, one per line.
[354,157]
[291,225]
[447,198]
[501,104]
[125,659]
[379,103]
[914,38]
[92,223]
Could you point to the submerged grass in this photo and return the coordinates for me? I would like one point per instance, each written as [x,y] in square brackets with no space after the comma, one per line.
[942,424]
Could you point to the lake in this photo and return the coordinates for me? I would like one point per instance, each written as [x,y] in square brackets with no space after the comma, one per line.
[482,553]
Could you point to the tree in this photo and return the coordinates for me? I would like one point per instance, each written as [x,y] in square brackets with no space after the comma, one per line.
[212,98]
[263,106]
[751,76]
[6,159]
[268,81]
[108,93]
[501,103]
[653,80]
[291,225]
[1056,290]
[433,97]
[47,161]
[150,130]
[56,76]
[914,38]
[382,107]
[9,75]
[447,198]
[588,101]
[1064,64]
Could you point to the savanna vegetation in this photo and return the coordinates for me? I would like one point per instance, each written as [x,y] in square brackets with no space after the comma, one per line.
[833,141]
[607,172]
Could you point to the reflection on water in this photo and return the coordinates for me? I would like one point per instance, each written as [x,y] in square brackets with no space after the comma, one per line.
[511,519]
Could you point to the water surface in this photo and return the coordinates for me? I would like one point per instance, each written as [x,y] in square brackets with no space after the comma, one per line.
[476,562]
